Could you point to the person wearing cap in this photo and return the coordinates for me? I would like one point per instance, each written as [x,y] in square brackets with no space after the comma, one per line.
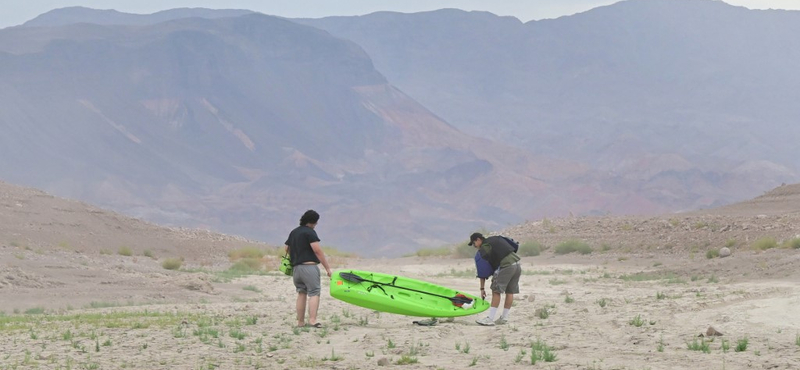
[505,280]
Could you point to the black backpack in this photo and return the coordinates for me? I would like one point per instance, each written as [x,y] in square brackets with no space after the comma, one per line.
[514,243]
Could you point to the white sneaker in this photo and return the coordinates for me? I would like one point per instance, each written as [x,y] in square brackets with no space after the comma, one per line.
[501,321]
[486,321]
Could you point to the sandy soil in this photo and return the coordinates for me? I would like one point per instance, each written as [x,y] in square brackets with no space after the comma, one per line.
[113,312]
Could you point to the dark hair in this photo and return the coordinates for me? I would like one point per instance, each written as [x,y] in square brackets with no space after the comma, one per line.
[310,217]
[474,237]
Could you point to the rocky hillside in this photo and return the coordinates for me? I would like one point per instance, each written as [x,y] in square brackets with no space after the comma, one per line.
[768,221]
[34,221]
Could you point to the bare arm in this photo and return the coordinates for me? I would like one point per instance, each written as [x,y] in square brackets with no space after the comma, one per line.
[321,256]
[285,249]
[483,290]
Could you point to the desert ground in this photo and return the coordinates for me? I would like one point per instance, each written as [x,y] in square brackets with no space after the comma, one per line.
[74,297]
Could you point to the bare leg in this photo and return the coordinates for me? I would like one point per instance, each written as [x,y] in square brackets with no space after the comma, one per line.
[496,299]
[509,300]
[313,306]
[301,309]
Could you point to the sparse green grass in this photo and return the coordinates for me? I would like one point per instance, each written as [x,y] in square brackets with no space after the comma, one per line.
[251,288]
[148,253]
[466,273]
[741,345]
[640,276]
[573,245]
[407,360]
[602,302]
[712,253]
[125,251]
[334,357]
[731,243]
[568,299]
[660,296]
[171,263]
[725,345]
[696,345]
[529,249]
[713,279]
[637,321]
[557,282]
[797,340]
[503,343]
[765,243]
[660,347]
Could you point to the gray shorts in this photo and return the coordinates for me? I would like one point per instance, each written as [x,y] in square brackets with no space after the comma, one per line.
[307,279]
[506,280]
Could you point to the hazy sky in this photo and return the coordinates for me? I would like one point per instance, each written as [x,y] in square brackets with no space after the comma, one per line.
[15,12]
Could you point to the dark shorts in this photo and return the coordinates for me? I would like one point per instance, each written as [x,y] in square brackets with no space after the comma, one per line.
[307,279]
[506,280]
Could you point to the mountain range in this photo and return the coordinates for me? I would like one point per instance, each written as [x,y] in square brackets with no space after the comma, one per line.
[403,130]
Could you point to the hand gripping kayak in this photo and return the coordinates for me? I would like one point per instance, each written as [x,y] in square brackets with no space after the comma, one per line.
[459,300]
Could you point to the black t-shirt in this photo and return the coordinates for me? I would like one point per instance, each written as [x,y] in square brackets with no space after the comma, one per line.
[299,242]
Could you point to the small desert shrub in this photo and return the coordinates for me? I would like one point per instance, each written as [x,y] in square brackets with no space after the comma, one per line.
[148,253]
[741,345]
[335,252]
[792,243]
[433,252]
[637,321]
[573,245]
[247,264]
[125,251]
[712,253]
[171,263]
[765,243]
[731,243]
[529,248]
[34,311]
[540,351]
[464,250]
[246,252]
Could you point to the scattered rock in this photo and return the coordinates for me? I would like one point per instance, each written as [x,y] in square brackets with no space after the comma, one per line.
[711,332]
[531,298]
[724,252]
[383,362]
[195,282]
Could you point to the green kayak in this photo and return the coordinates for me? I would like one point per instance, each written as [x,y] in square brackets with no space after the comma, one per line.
[403,296]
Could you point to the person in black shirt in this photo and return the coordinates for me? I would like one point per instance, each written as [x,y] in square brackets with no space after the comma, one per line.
[305,254]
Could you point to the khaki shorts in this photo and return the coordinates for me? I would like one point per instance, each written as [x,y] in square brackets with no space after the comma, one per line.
[307,279]
[506,280]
